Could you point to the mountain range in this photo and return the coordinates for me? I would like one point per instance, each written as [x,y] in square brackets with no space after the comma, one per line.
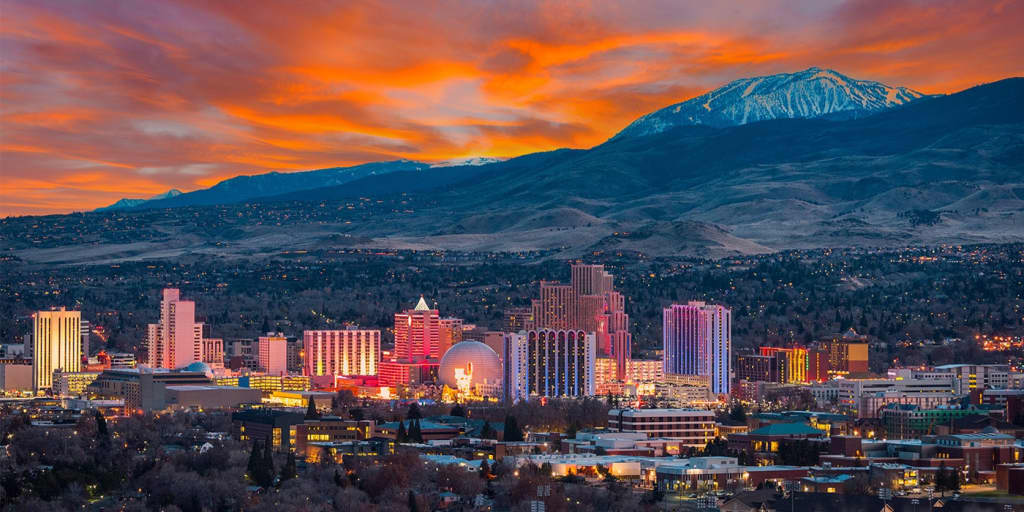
[798,160]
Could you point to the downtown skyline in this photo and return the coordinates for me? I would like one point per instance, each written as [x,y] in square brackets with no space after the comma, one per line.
[102,101]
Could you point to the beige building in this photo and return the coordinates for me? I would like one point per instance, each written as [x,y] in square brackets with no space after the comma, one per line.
[56,345]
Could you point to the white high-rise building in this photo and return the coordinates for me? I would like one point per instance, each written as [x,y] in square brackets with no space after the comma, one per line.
[697,340]
[57,345]
[558,363]
[175,341]
[341,352]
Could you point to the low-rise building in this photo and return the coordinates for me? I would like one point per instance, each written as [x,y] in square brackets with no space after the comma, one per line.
[693,427]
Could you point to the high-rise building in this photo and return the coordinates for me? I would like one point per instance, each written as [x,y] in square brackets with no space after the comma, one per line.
[449,334]
[273,353]
[847,354]
[697,340]
[790,364]
[86,329]
[352,351]
[212,352]
[57,345]
[518,319]
[514,368]
[558,362]
[754,368]
[588,303]
[175,341]
[418,333]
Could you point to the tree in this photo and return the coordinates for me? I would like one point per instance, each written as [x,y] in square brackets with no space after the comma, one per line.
[357,413]
[600,451]
[101,426]
[488,432]
[570,433]
[738,413]
[458,411]
[311,412]
[942,479]
[415,434]
[413,506]
[485,470]
[512,431]
[288,471]
[255,459]
[402,436]
[414,411]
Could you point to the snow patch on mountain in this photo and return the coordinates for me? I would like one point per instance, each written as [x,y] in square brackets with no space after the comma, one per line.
[811,93]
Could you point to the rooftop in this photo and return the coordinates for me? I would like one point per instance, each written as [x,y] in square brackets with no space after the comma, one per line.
[788,429]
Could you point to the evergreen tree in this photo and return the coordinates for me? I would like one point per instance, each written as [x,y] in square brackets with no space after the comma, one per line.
[458,411]
[738,414]
[942,479]
[415,434]
[357,413]
[414,411]
[512,431]
[485,470]
[402,436]
[488,432]
[311,412]
[101,426]
[266,472]
[413,505]
[288,471]
[574,427]
[255,459]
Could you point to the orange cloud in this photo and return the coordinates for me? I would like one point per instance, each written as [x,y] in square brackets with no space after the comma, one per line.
[99,102]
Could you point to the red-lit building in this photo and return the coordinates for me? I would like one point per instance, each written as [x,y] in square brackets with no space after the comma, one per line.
[418,333]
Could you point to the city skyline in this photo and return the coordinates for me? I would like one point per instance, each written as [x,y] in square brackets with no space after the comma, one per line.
[244,92]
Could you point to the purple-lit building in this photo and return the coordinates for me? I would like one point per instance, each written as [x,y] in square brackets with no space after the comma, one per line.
[697,340]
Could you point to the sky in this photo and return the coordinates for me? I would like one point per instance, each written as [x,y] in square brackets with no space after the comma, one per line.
[101,100]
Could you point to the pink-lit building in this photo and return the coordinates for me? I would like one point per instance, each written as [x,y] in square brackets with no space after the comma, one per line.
[272,351]
[451,330]
[175,341]
[591,304]
[697,340]
[399,373]
[212,352]
[349,352]
[418,333]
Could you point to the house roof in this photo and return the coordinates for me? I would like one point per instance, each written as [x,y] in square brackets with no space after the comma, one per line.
[787,429]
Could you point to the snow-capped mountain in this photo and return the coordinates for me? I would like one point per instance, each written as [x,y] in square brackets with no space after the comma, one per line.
[811,93]
[126,203]
[473,160]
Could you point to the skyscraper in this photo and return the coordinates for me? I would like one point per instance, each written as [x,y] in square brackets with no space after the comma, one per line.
[697,340]
[176,340]
[351,351]
[57,345]
[272,351]
[418,333]
[591,304]
[450,333]
[514,368]
[558,362]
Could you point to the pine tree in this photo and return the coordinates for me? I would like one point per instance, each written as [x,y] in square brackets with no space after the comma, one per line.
[413,505]
[311,412]
[101,426]
[414,411]
[401,436]
[288,471]
[574,427]
[485,470]
[415,434]
[512,431]
[255,459]
[266,472]
[488,432]
[458,411]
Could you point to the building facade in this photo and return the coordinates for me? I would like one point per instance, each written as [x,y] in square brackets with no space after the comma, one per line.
[175,341]
[697,340]
[272,351]
[351,351]
[57,345]
[694,427]
[418,333]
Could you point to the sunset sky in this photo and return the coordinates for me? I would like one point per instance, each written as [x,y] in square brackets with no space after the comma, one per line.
[102,100]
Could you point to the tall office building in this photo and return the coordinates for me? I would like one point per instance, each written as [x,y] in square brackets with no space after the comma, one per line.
[86,328]
[351,351]
[558,364]
[272,351]
[518,319]
[514,367]
[450,333]
[588,303]
[57,345]
[176,340]
[212,352]
[697,340]
[418,333]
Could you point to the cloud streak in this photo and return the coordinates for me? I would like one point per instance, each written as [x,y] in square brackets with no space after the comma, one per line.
[101,100]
